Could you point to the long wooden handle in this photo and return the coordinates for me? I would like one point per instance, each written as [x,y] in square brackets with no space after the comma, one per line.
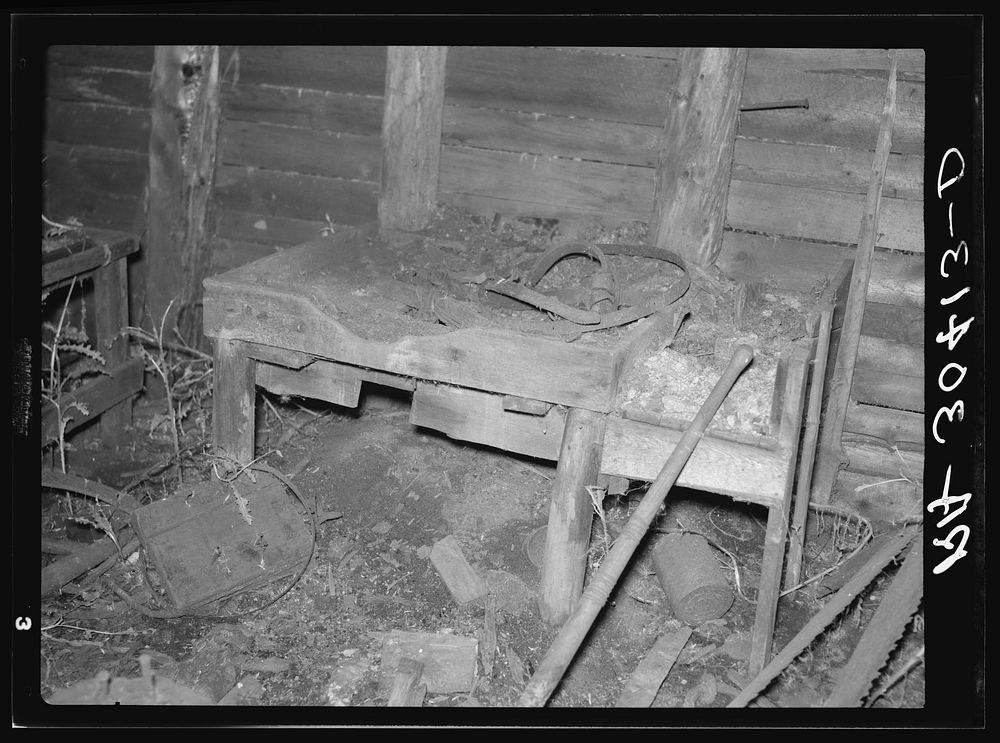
[550,671]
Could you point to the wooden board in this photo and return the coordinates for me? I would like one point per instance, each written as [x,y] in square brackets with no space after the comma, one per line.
[320,110]
[449,660]
[98,125]
[98,185]
[103,57]
[870,458]
[128,88]
[899,391]
[463,582]
[889,356]
[107,246]
[203,548]
[293,195]
[794,265]
[97,395]
[269,230]
[817,214]
[885,423]
[568,185]
[645,681]
[319,381]
[296,150]
[345,69]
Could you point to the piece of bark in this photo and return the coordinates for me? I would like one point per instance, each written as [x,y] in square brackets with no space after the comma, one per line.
[641,689]
[449,660]
[407,690]
[458,575]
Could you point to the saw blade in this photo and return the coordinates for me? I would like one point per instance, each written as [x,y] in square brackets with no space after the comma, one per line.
[899,604]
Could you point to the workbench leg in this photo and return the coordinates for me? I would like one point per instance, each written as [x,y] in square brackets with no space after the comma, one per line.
[571,514]
[233,400]
[111,298]
[775,538]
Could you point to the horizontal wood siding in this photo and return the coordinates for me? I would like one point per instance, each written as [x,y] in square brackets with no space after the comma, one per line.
[97,134]
[299,146]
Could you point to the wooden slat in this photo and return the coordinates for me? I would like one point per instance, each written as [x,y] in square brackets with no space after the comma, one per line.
[822,215]
[115,57]
[101,187]
[899,391]
[854,62]
[344,69]
[570,186]
[800,266]
[825,168]
[489,206]
[304,151]
[563,136]
[889,356]
[880,498]
[298,196]
[267,229]
[108,247]
[491,360]
[844,110]
[893,322]
[97,395]
[109,87]
[885,423]
[97,125]
[869,458]
[320,110]
[230,253]
[321,381]
[612,88]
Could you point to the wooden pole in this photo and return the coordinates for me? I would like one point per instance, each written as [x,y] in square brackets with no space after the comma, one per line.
[571,514]
[411,136]
[696,155]
[831,454]
[567,642]
[182,154]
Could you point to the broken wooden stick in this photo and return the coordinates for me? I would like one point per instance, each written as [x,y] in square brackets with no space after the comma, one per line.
[567,642]
[646,680]
[462,580]
[407,691]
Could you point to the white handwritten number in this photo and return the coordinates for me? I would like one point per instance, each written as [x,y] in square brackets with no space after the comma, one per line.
[961,376]
[954,256]
[955,332]
[951,417]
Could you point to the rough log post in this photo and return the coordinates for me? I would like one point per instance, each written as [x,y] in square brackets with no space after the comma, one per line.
[111,298]
[411,136]
[182,145]
[571,514]
[696,154]
[831,455]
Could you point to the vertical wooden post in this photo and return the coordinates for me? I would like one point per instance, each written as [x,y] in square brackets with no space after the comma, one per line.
[571,514]
[182,147]
[831,455]
[792,405]
[111,298]
[411,136]
[233,400]
[696,154]
[166,184]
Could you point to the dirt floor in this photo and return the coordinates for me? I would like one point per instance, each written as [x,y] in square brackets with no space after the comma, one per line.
[389,492]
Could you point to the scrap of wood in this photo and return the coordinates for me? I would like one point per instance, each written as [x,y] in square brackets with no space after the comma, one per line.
[513,403]
[822,619]
[407,691]
[58,574]
[545,302]
[66,481]
[462,580]
[449,661]
[641,689]
[488,648]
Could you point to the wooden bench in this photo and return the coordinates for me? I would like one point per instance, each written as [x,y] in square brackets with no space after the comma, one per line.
[100,255]
[310,322]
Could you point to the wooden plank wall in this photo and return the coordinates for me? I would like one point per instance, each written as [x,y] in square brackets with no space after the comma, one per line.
[299,143]
[572,133]
[96,143]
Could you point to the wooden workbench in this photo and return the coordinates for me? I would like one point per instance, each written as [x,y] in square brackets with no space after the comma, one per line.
[320,319]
